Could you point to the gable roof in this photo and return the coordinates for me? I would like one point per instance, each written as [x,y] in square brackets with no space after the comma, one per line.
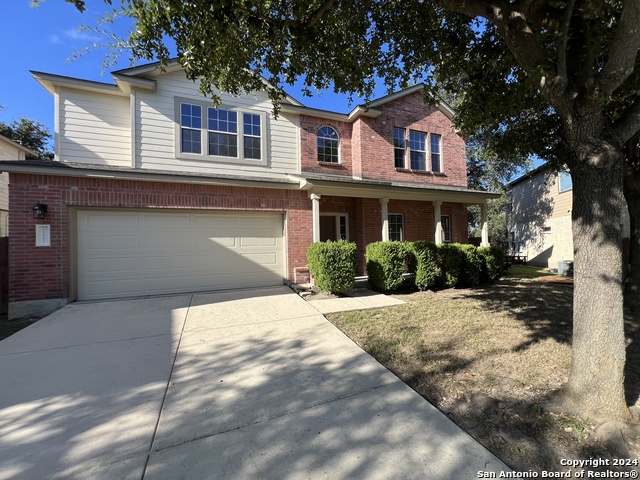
[20,147]
[142,77]
[370,110]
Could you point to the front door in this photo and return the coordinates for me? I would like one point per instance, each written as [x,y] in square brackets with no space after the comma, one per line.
[327,228]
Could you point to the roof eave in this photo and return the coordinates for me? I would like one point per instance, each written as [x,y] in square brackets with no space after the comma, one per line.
[143,176]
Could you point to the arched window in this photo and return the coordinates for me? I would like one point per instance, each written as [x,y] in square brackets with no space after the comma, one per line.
[328,145]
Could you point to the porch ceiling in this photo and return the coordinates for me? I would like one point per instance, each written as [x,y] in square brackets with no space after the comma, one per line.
[350,187]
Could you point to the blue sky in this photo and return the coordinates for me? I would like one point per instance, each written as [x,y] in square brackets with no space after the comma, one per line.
[44,38]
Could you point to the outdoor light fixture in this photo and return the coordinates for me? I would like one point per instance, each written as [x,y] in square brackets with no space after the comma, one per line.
[40,210]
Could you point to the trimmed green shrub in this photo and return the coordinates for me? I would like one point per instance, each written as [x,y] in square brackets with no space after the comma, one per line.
[492,264]
[385,264]
[333,265]
[452,262]
[470,272]
[427,268]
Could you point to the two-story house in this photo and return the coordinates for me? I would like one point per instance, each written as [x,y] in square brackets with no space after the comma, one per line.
[155,191]
[539,206]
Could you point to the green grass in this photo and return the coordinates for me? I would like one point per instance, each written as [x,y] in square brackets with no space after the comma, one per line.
[526,271]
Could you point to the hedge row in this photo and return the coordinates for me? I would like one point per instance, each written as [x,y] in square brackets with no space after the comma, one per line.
[333,264]
[447,265]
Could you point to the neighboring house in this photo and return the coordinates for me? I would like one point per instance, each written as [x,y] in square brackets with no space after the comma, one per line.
[539,217]
[9,150]
[154,191]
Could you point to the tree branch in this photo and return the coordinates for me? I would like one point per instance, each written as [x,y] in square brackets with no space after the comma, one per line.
[319,13]
[564,42]
[628,124]
[623,50]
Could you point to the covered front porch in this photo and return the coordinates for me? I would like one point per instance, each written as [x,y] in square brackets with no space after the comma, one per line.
[366,211]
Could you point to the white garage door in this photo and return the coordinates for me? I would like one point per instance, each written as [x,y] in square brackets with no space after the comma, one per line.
[126,254]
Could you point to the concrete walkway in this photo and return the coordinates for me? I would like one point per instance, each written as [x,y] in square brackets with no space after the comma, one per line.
[234,385]
[356,299]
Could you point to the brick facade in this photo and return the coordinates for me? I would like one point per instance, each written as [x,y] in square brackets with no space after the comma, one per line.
[366,152]
[366,147]
[365,220]
[37,273]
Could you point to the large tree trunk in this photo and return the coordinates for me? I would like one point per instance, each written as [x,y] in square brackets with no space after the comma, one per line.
[632,196]
[596,382]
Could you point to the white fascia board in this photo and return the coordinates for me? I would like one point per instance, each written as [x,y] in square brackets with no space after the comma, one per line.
[398,192]
[145,176]
[154,70]
[342,117]
[126,83]
[50,82]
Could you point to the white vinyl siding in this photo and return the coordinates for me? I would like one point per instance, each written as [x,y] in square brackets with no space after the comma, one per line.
[125,253]
[155,131]
[94,128]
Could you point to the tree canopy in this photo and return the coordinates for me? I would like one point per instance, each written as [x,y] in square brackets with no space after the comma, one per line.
[29,133]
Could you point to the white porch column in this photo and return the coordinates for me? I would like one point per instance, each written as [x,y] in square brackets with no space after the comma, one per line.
[315,213]
[384,202]
[438,221]
[485,225]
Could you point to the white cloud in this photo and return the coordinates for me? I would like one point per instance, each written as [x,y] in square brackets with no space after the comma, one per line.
[55,39]
[80,35]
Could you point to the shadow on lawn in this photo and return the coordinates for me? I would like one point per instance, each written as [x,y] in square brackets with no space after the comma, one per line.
[545,308]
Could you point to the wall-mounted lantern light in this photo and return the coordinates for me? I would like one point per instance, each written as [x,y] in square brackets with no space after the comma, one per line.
[40,210]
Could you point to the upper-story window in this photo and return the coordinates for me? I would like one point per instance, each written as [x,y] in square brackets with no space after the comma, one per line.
[328,145]
[223,132]
[252,136]
[436,164]
[399,147]
[219,134]
[564,182]
[190,125]
[418,147]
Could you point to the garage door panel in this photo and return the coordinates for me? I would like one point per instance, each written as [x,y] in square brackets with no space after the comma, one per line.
[165,242]
[116,287]
[268,242]
[146,253]
[112,242]
[167,262]
[216,223]
[220,263]
[264,259]
[255,223]
[205,244]
[166,222]
[113,265]
[106,221]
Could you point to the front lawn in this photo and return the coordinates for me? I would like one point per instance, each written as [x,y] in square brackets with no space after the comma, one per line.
[488,358]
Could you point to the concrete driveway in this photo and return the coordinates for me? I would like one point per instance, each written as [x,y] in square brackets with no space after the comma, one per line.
[249,384]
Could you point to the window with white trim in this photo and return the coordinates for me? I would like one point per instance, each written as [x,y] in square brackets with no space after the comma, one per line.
[396,227]
[565,183]
[190,126]
[224,134]
[436,159]
[445,221]
[418,150]
[328,142]
[399,147]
